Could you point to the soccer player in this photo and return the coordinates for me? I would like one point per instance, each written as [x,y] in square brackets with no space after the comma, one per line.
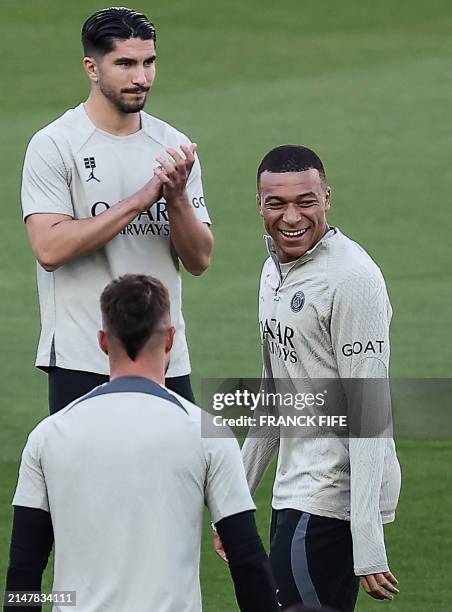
[324,313]
[108,189]
[120,476]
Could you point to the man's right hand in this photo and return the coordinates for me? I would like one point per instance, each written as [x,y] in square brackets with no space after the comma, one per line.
[380,586]
[150,193]
[218,547]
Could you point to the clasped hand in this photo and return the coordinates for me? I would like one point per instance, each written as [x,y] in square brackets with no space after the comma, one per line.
[173,174]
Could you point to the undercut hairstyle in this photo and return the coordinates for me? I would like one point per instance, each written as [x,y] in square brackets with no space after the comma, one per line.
[101,31]
[290,158]
[133,306]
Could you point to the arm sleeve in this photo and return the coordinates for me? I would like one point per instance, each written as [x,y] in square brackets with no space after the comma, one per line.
[196,193]
[45,179]
[248,563]
[31,490]
[31,543]
[262,441]
[361,317]
[226,489]
[257,453]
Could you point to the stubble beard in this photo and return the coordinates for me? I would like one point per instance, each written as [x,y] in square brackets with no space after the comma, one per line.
[120,103]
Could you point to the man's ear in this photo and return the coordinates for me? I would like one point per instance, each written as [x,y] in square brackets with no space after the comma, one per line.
[91,69]
[102,340]
[328,198]
[169,339]
[258,203]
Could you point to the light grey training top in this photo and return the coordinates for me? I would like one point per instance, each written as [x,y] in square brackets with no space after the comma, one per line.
[125,474]
[327,316]
[74,168]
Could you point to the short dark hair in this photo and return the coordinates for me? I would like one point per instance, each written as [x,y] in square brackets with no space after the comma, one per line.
[132,307]
[290,158]
[101,30]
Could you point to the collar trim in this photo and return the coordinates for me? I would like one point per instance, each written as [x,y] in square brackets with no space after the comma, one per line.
[270,244]
[132,384]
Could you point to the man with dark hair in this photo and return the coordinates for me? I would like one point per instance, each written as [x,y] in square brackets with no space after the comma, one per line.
[324,313]
[101,31]
[108,189]
[105,477]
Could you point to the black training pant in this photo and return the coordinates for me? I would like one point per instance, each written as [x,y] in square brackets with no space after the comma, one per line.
[312,561]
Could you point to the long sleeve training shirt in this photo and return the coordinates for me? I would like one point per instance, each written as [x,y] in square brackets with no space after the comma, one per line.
[327,316]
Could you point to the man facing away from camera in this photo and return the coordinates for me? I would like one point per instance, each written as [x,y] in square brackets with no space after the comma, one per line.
[107,190]
[119,479]
[324,313]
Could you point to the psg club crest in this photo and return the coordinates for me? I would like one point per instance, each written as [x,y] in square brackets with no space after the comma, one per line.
[297,301]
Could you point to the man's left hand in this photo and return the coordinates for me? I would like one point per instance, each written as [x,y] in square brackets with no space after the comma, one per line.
[174,173]
[380,586]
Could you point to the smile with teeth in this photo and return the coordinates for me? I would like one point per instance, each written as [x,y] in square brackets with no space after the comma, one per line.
[294,233]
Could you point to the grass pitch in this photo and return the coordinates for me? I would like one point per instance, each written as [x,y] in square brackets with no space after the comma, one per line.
[365,84]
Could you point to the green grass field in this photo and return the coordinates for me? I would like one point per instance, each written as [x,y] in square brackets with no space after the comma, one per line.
[368,85]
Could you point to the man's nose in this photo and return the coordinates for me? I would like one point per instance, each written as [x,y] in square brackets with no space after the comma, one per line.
[139,77]
[291,215]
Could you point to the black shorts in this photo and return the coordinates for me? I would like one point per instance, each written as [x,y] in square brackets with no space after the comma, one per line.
[67,385]
[312,560]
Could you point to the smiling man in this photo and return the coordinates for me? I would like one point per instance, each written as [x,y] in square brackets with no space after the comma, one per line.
[294,206]
[108,189]
[320,294]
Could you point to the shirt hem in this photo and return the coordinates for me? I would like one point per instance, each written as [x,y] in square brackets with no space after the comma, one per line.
[386,517]
[311,509]
[43,364]
[232,512]
[26,502]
